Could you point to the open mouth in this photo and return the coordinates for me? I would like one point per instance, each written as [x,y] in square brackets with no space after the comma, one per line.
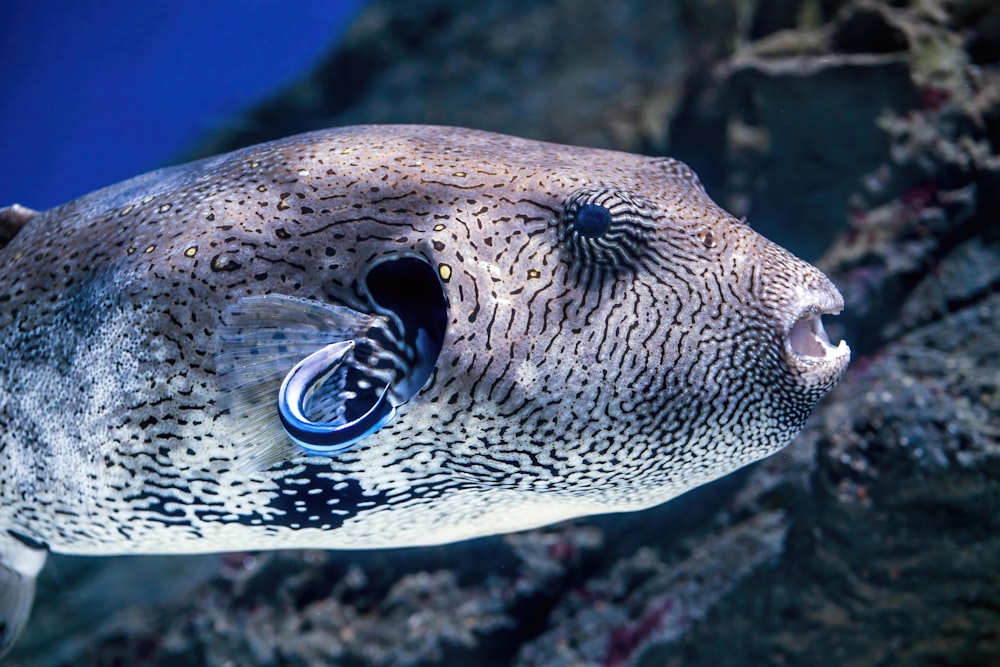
[810,342]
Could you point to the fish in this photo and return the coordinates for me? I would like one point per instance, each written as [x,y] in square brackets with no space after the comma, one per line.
[384,336]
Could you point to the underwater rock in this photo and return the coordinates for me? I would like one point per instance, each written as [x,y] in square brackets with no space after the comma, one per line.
[589,73]
[891,553]
[645,600]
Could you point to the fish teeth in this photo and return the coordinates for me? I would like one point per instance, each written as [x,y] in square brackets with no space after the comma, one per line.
[808,339]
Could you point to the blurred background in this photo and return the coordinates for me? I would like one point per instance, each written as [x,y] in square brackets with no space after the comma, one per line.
[863,135]
[96,92]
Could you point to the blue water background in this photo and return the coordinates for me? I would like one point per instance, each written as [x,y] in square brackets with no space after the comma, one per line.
[93,92]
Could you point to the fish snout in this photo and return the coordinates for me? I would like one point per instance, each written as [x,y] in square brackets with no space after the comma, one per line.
[798,295]
[808,351]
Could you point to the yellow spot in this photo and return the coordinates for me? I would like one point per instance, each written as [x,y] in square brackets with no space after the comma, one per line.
[461,174]
[254,164]
[164,208]
[438,228]
[127,209]
[18,256]
[129,250]
[146,200]
[191,252]
[261,188]
[347,151]
[445,272]
[149,249]
[283,205]
[534,273]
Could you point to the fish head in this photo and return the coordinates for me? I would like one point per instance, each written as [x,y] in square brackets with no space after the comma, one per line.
[606,331]
[560,330]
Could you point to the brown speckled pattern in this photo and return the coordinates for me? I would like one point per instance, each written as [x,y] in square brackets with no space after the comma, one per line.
[566,385]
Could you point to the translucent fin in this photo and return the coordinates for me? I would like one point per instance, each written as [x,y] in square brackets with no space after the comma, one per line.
[12,218]
[20,564]
[264,337]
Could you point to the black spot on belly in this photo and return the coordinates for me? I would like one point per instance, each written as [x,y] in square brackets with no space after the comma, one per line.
[154,508]
[306,500]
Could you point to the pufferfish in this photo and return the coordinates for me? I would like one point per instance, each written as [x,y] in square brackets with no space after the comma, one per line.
[384,336]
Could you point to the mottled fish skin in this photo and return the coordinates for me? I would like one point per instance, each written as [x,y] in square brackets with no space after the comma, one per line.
[574,379]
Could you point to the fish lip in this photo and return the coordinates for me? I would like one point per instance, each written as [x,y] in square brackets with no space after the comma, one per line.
[807,346]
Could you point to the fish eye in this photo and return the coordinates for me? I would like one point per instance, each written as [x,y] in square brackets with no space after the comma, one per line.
[605,227]
[592,221]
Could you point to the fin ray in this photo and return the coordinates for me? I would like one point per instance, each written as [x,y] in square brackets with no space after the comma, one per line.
[20,564]
[12,219]
[263,338]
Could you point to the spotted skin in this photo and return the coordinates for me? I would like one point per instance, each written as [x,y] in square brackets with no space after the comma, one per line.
[576,376]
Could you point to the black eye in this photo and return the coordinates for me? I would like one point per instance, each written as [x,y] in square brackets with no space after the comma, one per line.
[592,221]
[604,227]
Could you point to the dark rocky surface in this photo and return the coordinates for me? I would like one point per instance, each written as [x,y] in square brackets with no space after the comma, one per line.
[863,135]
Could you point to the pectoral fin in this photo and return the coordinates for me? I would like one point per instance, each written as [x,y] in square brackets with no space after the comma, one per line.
[12,218]
[305,373]
[20,564]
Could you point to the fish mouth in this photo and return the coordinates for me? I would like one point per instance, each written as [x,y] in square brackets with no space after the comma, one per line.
[807,344]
